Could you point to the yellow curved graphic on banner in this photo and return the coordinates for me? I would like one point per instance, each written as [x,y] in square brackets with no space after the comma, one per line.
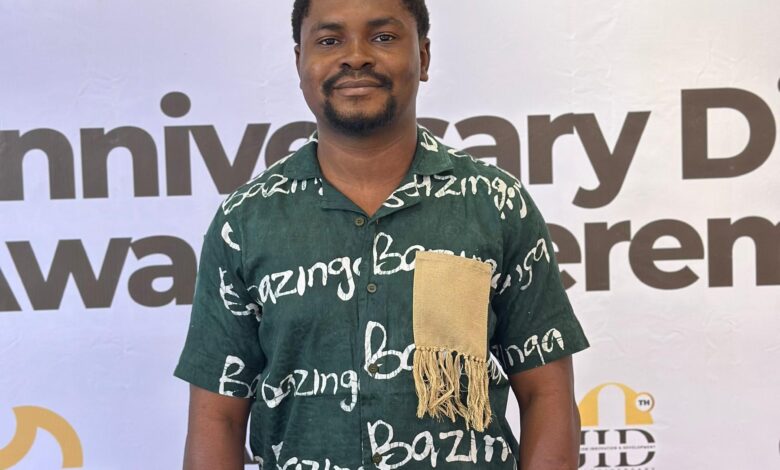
[28,420]
[589,406]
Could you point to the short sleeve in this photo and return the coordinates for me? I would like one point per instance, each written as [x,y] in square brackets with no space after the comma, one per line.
[222,353]
[535,320]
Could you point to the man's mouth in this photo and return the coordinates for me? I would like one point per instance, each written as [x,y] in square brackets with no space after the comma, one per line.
[357,84]
[347,83]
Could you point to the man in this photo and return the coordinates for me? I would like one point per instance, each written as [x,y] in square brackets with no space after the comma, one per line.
[348,297]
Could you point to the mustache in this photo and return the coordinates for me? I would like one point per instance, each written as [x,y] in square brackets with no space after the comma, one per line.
[329,85]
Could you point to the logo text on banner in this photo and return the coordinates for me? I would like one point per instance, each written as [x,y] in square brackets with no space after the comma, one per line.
[29,419]
[624,445]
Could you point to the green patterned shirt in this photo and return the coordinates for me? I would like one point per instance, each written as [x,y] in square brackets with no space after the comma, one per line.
[303,305]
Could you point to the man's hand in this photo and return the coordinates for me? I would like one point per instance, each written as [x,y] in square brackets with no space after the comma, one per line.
[216,432]
[549,418]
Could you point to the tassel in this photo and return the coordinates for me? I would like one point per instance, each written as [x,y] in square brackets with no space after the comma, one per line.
[479,412]
[437,382]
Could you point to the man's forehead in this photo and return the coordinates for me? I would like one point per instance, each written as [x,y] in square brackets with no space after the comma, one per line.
[339,14]
[371,23]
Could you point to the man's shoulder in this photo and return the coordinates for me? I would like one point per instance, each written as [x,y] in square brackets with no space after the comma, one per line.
[238,200]
[480,180]
[465,165]
[274,183]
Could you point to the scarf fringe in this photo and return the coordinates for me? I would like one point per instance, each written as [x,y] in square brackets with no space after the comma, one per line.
[437,381]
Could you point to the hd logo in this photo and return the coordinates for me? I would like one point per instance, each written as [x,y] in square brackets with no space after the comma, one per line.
[618,443]
[28,420]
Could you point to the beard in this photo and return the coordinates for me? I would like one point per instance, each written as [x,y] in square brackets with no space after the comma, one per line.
[358,124]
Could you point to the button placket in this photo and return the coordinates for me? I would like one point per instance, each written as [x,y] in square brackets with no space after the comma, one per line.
[370,387]
[367,229]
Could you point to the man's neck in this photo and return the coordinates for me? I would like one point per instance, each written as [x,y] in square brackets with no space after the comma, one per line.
[367,169]
[377,160]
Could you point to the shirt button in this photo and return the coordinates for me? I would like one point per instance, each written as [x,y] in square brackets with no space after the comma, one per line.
[371,288]
[373,369]
[377,459]
[360,221]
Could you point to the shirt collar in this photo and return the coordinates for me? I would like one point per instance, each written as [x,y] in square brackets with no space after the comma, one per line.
[431,157]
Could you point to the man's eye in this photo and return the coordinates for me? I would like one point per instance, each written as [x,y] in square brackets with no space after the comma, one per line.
[384,38]
[328,42]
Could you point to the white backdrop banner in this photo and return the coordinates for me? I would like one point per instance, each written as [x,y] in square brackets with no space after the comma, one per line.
[646,132]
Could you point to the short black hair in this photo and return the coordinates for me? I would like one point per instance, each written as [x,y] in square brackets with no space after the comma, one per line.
[416,7]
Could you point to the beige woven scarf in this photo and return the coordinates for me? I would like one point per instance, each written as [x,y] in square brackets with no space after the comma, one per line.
[451,295]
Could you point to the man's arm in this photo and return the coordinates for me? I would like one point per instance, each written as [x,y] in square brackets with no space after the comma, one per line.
[549,418]
[216,432]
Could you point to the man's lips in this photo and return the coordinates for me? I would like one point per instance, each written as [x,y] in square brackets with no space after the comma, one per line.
[349,84]
[357,84]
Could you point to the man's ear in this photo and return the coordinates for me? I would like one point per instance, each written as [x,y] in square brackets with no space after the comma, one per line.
[297,50]
[425,58]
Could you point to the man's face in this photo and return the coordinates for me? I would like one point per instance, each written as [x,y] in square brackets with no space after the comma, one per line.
[360,63]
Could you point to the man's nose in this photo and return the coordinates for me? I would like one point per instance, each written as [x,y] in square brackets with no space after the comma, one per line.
[357,55]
